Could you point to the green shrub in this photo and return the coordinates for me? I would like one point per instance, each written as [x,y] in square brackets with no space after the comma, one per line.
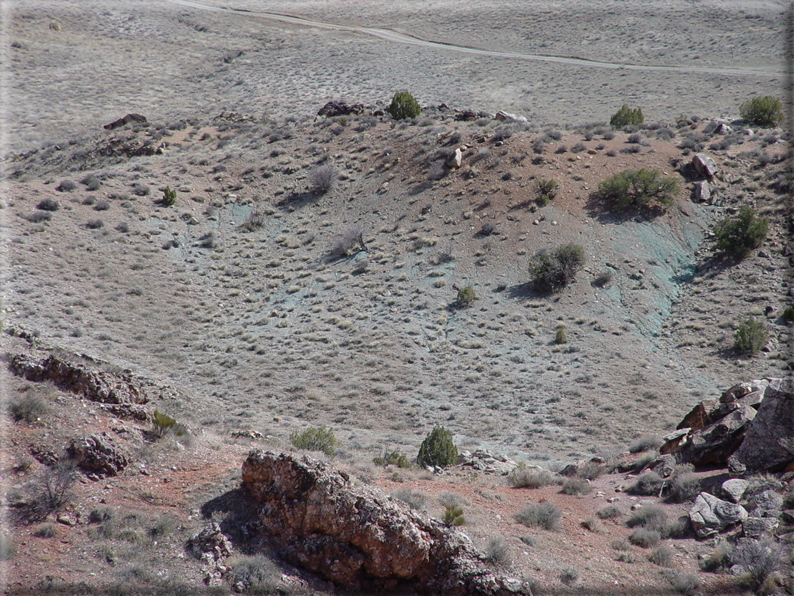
[162,423]
[545,515]
[553,270]
[751,336]
[626,116]
[403,105]
[315,439]
[761,111]
[169,197]
[560,337]
[638,188]
[453,516]
[438,449]
[738,236]
[392,459]
[466,296]
[546,190]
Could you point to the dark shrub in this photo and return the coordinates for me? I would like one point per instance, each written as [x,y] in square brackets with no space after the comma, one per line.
[102,205]
[751,336]
[438,449]
[169,197]
[578,148]
[763,111]
[48,205]
[466,297]
[627,116]
[553,270]
[38,216]
[545,190]
[738,236]
[66,186]
[254,221]
[403,105]
[91,182]
[323,178]
[350,242]
[94,224]
[644,538]
[638,188]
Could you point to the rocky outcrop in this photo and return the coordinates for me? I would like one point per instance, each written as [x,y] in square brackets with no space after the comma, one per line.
[769,442]
[508,117]
[211,547]
[339,108]
[98,454]
[704,166]
[710,515]
[354,534]
[125,120]
[92,384]
[486,461]
[714,444]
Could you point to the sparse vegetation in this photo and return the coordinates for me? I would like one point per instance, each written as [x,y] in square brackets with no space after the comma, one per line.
[739,236]
[651,517]
[392,459]
[414,499]
[649,484]
[523,476]
[323,178]
[29,407]
[403,105]
[257,573]
[764,111]
[545,190]
[169,197]
[760,561]
[576,486]
[466,297]
[609,512]
[438,449]
[551,271]
[626,116]
[751,336]
[644,538]
[315,439]
[497,552]
[48,205]
[453,516]
[646,443]
[569,575]
[348,243]
[638,188]
[544,515]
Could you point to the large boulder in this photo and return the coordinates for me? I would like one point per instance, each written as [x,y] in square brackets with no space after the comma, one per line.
[715,443]
[704,166]
[769,441]
[354,534]
[98,454]
[340,108]
[710,515]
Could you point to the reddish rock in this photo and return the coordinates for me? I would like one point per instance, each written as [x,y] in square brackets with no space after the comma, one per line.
[98,454]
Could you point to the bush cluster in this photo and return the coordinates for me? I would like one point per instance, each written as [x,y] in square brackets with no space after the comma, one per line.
[626,116]
[552,270]
[764,111]
[403,105]
[738,236]
[315,439]
[638,188]
[394,458]
[437,449]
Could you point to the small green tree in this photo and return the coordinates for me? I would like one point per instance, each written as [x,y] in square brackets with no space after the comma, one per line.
[560,337]
[738,236]
[466,296]
[546,190]
[403,105]
[169,197]
[761,111]
[162,422]
[637,188]
[751,336]
[315,439]
[626,116]
[553,270]
[437,449]
[453,516]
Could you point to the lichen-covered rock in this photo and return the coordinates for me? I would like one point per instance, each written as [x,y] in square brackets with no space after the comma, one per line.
[357,534]
[734,489]
[769,441]
[95,385]
[710,515]
[98,454]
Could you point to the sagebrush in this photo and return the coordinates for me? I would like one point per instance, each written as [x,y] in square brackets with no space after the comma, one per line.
[315,439]
[638,188]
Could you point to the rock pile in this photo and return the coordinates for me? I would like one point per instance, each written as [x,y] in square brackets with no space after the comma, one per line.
[357,535]
[98,454]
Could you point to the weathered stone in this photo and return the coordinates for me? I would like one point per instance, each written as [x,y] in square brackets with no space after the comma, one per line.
[356,534]
[95,385]
[700,415]
[456,159]
[98,454]
[506,116]
[787,515]
[710,515]
[755,527]
[674,441]
[766,503]
[704,165]
[125,120]
[662,465]
[211,544]
[714,444]
[466,116]
[769,442]
[702,192]
[340,108]
[741,391]
[247,434]
[734,489]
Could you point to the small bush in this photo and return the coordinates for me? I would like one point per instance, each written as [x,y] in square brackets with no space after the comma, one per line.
[739,236]
[591,470]
[602,279]
[102,205]
[760,559]
[66,186]
[140,190]
[551,271]
[523,477]
[254,221]
[453,516]
[561,149]
[609,512]
[29,407]
[350,242]
[403,105]
[497,552]
[644,538]
[52,489]
[315,439]
[764,111]
[91,182]
[45,531]
[592,524]
[751,336]
[609,135]
[650,517]
[123,227]
[169,197]
[569,575]
[414,499]
[578,148]
[560,337]
[662,556]
[626,116]
[543,515]
[649,484]
[685,583]
[94,224]
[162,423]
[576,486]
[788,315]
[48,205]
[638,188]
[257,573]
[323,178]
[38,216]
[438,449]
[546,190]
[620,544]
[718,558]
[684,487]
[646,443]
